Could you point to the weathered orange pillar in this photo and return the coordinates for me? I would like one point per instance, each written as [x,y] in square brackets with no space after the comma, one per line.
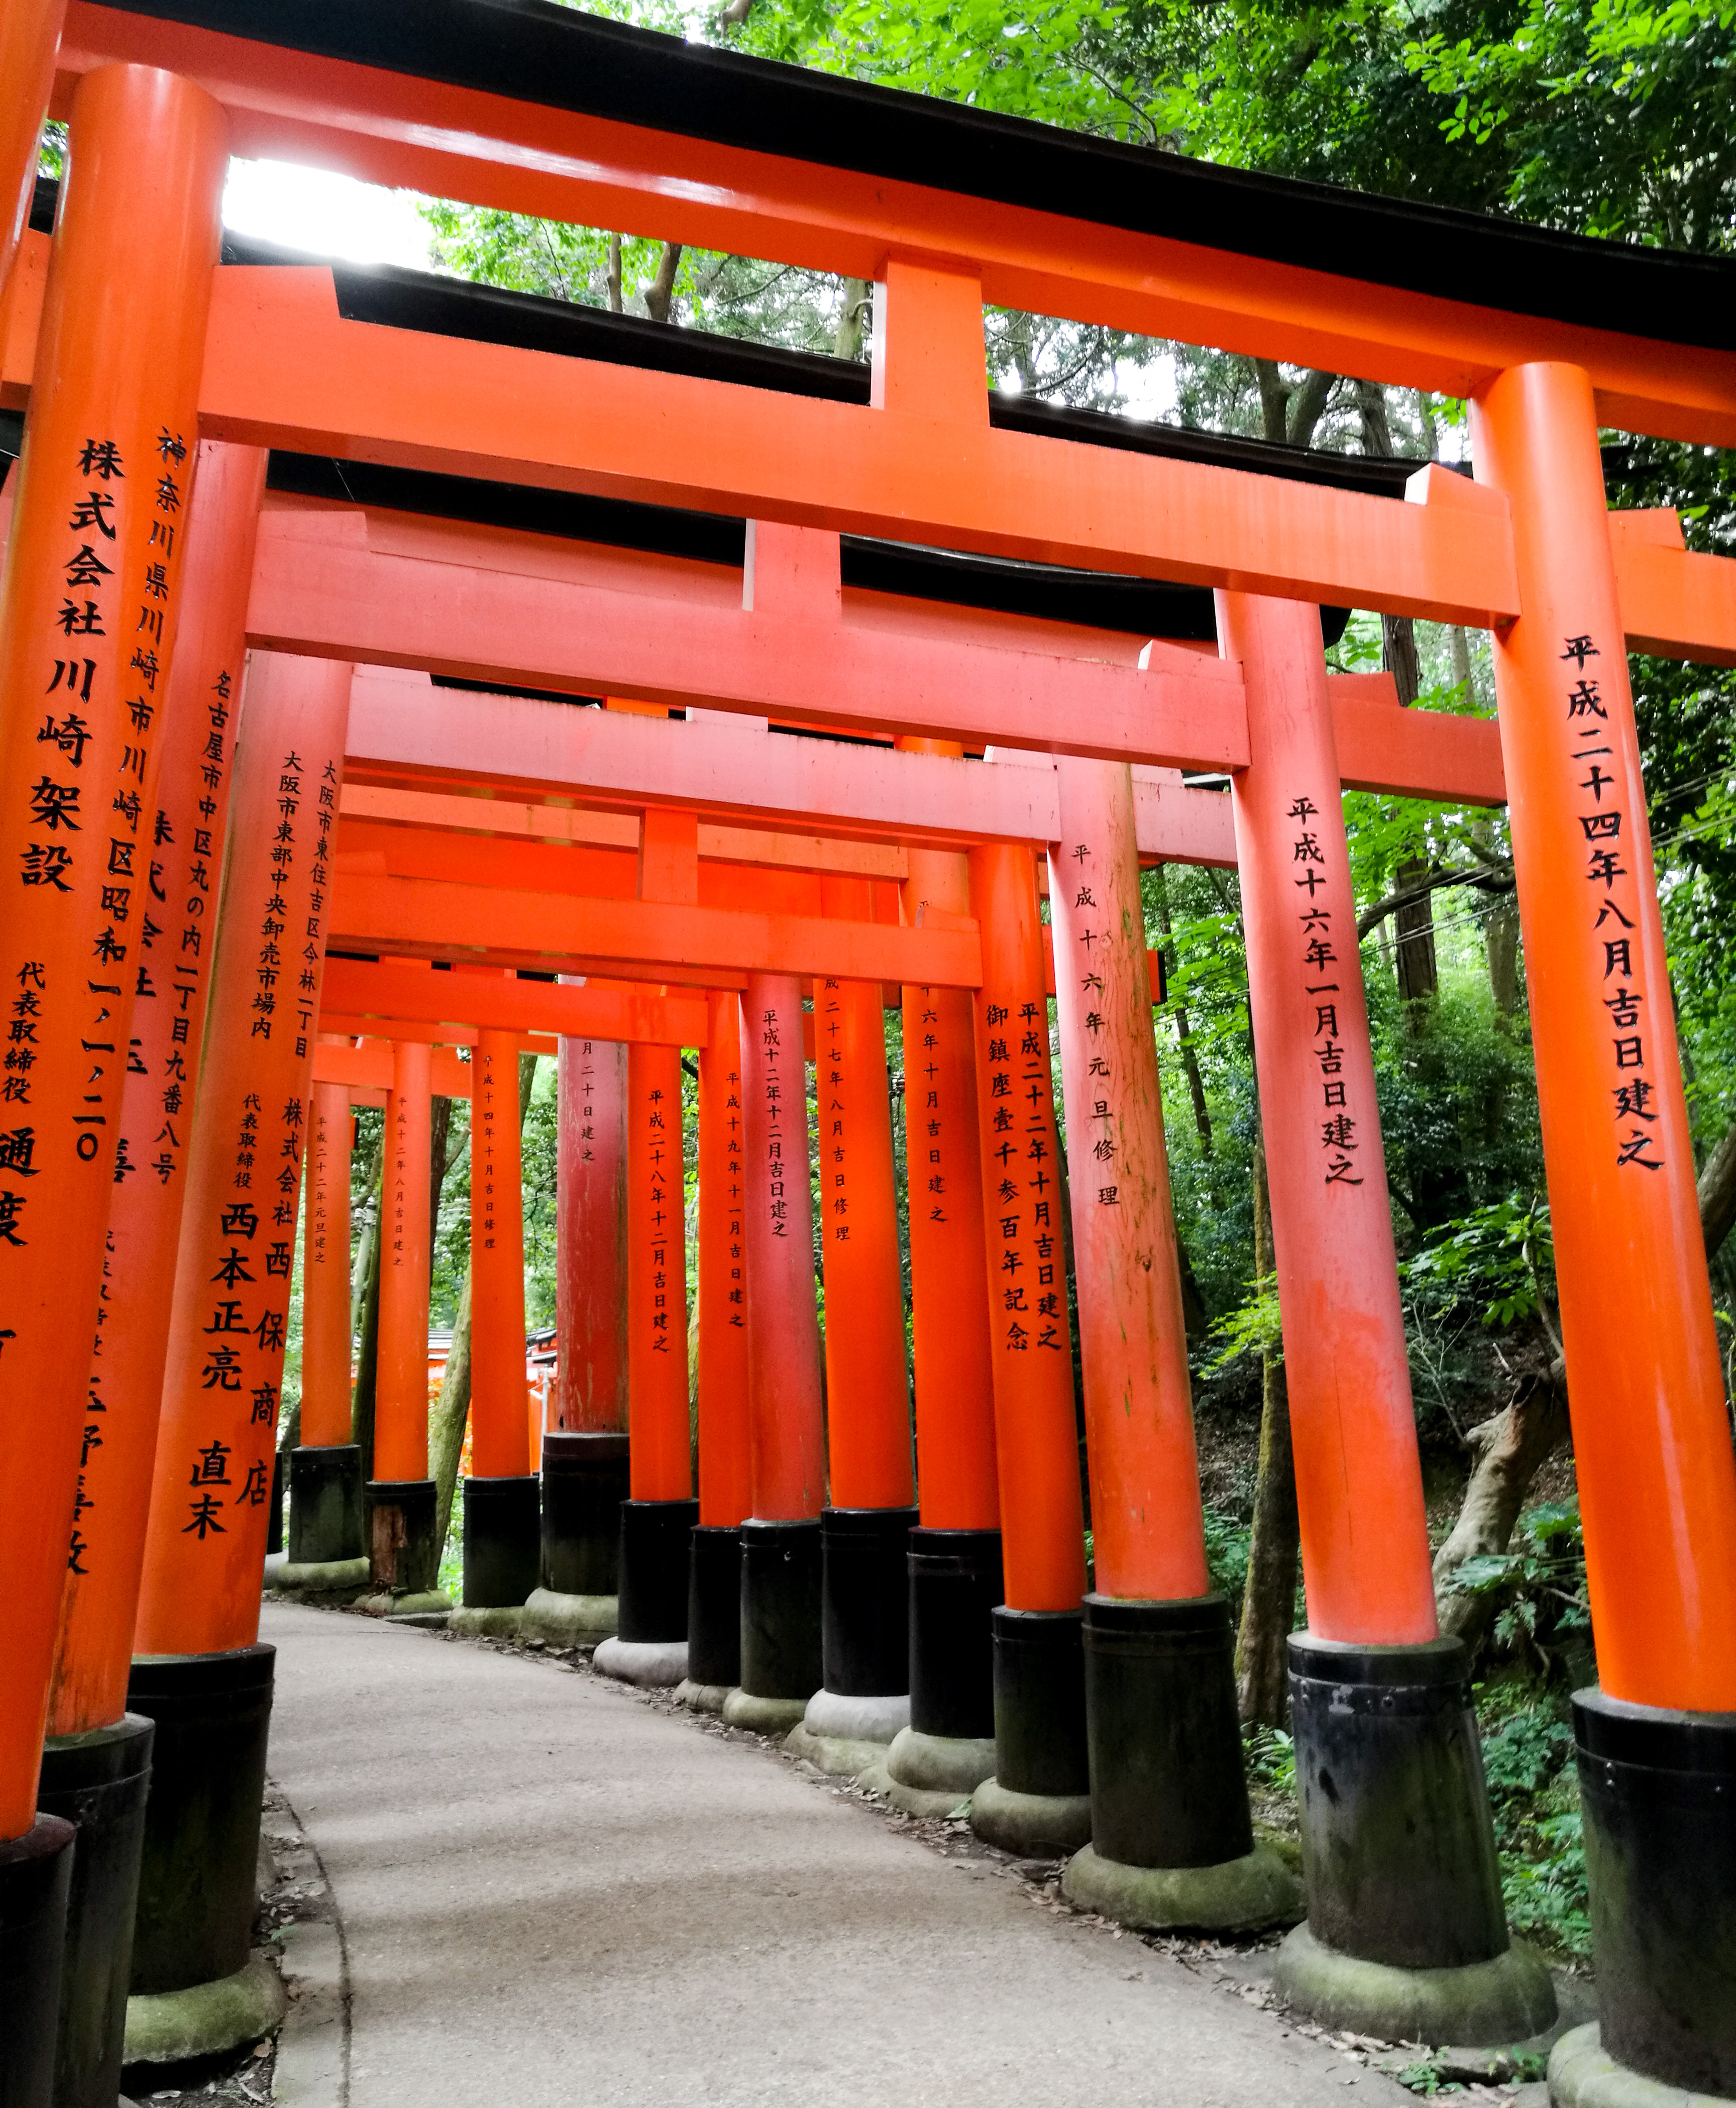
[199,1605]
[1650,1431]
[1398,1872]
[864,1530]
[955,1555]
[726,1452]
[1039,1796]
[401,1496]
[585,1448]
[30,41]
[92,584]
[92,1735]
[1168,1790]
[501,1505]
[780,1661]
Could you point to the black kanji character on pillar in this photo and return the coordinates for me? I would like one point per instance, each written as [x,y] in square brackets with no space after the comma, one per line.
[203,1511]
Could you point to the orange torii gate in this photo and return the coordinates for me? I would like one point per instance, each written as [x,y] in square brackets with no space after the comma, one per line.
[545,110]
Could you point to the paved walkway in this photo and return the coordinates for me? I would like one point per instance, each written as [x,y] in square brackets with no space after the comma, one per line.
[552,1892]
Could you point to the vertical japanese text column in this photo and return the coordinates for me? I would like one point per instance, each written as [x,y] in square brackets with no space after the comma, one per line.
[500,1504]
[1038,1664]
[90,588]
[1364,1543]
[198,1606]
[1651,1429]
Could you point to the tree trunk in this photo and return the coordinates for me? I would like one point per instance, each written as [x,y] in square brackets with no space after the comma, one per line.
[1184,1036]
[450,1412]
[1262,1668]
[1717,1193]
[614,276]
[659,292]
[1510,1449]
[847,340]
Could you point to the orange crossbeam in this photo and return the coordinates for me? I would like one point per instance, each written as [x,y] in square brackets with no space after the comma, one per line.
[474,1001]
[368,1067]
[459,143]
[708,947]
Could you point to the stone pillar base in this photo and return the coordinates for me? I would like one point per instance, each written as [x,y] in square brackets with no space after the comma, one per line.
[97,1781]
[865,1616]
[198,1880]
[703,1697]
[1583,2075]
[584,1482]
[1237,1895]
[1036,1825]
[35,1875]
[843,1736]
[932,1775]
[780,1657]
[502,1548]
[652,1664]
[955,1585]
[323,1576]
[328,1519]
[1506,1999]
[763,1716]
[656,1538]
[714,1607]
[170,2027]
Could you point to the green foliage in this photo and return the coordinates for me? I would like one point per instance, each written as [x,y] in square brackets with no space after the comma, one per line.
[1269,1755]
[1534,1795]
[1228,1538]
[1545,1617]
[1493,1259]
[1255,1327]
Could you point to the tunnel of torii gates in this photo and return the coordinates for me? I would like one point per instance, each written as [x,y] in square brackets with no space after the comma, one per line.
[383,527]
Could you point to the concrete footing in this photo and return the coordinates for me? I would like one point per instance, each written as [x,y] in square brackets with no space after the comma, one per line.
[321,1576]
[702,1697]
[1583,2075]
[843,1735]
[561,1620]
[418,1603]
[206,2020]
[932,1775]
[1036,1825]
[652,1664]
[1507,1998]
[1237,1895]
[763,1716]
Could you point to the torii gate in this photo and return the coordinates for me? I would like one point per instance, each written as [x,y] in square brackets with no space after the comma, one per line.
[943,209]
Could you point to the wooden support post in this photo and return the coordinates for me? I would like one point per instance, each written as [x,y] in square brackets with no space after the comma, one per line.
[206,1542]
[92,587]
[30,38]
[1040,1793]
[590,1238]
[1651,1429]
[326,1343]
[656,1277]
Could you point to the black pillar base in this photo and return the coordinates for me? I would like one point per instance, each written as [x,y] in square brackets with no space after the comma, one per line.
[401,1518]
[1398,1848]
[1659,1793]
[1040,1739]
[502,1549]
[1168,1786]
[714,1607]
[780,1649]
[584,1482]
[35,1873]
[274,1529]
[653,1594]
[98,1782]
[197,1895]
[864,1619]
[326,1511]
[955,1584]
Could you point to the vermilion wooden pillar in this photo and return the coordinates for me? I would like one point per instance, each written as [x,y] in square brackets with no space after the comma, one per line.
[30,39]
[955,1554]
[198,1606]
[1167,1792]
[585,1448]
[865,1532]
[1398,1850]
[780,1664]
[92,1735]
[1039,1795]
[92,586]
[500,1506]
[726,1453]
[1650,1431]
[658,1519]
[326,1342]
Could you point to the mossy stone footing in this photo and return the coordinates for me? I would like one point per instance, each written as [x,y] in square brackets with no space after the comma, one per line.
[1236,1895]
[322,1577]
[1583,2075]
[702,1697]
[1034,1826]
[568,1621]
[763,1716]
[328,1512]
[204,2020]
[651,1665]
[1503,1999]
